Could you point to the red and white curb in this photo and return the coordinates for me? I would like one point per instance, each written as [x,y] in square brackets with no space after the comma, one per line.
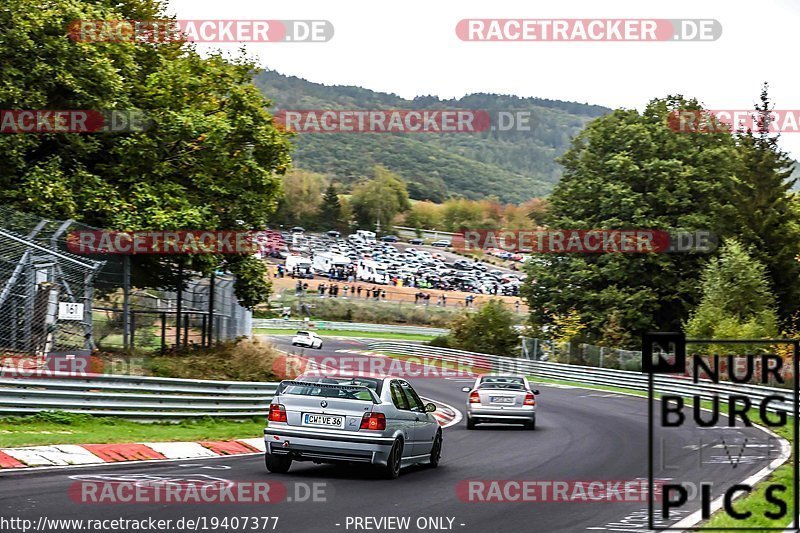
[69,455]
[63,455]
[446,415]
[92,454]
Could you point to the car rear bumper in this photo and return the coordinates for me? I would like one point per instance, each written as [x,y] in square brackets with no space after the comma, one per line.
[501,415]
[305,344]
[303,445]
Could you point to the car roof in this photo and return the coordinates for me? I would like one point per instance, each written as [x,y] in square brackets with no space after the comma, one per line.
[509,376]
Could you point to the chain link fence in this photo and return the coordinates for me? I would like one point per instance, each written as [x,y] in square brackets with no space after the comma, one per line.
[155,323]
[581,354]
[46,293]
[105,303]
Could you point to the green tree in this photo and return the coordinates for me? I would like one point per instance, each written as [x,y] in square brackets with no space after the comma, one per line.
[302,198]
[631,170]
[379,199]
[330,212]
[211,158]
[424,215]
[762,208]
[736,298]
[488,330]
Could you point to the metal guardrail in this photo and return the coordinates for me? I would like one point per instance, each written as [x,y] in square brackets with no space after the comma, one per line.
[132,396]
[278,323]
[705,389]
[148,397]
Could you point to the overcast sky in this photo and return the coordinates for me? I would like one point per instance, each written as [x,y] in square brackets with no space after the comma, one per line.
[410,48]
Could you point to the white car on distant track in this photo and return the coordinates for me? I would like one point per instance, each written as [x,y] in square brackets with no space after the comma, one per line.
[309,339]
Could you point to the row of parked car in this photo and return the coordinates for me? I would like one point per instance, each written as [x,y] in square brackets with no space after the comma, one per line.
[381,262]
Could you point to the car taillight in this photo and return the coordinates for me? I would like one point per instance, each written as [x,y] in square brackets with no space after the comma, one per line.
[277,413]
[375,421]
[530,399]
[474,397]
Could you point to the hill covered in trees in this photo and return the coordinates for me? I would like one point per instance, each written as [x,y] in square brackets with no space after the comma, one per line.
[512,165]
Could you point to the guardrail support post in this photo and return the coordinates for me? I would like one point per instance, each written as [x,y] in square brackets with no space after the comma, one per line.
[211,288]
[179,305]
[133,329]
[126,304]
[163,333]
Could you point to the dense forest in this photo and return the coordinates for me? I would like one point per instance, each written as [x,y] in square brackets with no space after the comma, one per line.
[511,165]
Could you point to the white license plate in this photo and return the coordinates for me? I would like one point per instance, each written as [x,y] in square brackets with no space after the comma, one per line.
[501,399]
[323,420]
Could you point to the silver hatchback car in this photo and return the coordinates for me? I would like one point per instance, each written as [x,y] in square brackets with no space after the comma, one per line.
[503,399]
[374,420]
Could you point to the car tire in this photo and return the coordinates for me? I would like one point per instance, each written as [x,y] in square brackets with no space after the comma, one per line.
[531,425]
[436,450]
[470,423]
[392,468]
[277,464]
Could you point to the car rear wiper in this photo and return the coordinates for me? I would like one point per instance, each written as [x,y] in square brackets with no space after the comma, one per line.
[287,383]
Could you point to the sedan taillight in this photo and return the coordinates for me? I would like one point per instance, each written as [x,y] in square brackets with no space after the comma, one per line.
[530,399]
[474,397]
[375,421]
[277,413]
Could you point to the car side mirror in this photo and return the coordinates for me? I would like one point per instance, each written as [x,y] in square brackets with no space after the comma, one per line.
[536,391]
[430,407]
[465,389]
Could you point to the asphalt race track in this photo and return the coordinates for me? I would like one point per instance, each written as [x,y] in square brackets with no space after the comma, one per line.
[581,435]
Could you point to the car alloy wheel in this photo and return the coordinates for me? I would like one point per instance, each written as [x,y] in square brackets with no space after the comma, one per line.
[395,458]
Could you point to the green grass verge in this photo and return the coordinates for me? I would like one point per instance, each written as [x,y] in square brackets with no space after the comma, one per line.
[348,333]
[57,427]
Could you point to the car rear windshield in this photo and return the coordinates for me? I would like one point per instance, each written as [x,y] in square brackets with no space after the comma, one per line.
[494,380]
[302,333]
[504,386]
[316,386]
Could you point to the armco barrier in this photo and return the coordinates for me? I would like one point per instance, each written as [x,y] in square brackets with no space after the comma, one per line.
[133,396]
[277,323]
[583,374]
[147,397]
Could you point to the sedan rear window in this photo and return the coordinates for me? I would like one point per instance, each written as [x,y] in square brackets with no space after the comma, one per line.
[374,384]
[503,386]
[502,379]
[322,391]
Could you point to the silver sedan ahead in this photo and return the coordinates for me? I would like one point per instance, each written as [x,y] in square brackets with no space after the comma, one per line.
[501,399]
